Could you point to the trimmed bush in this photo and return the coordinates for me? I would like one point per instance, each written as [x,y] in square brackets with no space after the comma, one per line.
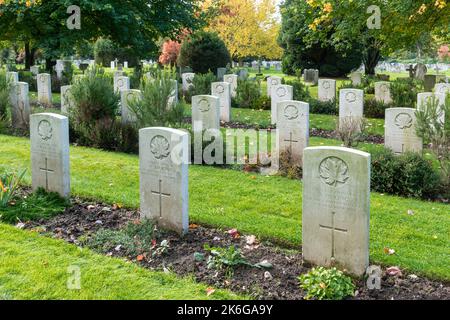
[375,109]
[201,84]
[203,52]
[404,92]
[323,107]
[300,90]
[248,94]
[407,175]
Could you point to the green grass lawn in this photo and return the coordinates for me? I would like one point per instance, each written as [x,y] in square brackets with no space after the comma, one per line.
[36,267]
[269,207]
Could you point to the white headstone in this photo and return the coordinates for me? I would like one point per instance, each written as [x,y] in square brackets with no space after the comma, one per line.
[271,82]
[442,88]
[424,97]
[113,65]
[66,99]
[222,91]
[49,135]
[232,79]
[292,131]
[44,86]
[126,97]
[34,70]
[122,83]
[336,204]
[279,93]
[327,90]
[205,113]
[164,158]
[13,77]
[59,68]
[383,92]
[20,112]
[125,64]
[351,104]
[400,131]
[173,99]
[356,78]
[187,79]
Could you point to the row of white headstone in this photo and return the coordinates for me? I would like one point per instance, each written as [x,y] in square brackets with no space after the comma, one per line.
[336,191]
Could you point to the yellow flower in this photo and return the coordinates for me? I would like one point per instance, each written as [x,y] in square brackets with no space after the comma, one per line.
[422,9]
[327,7]
[2,186]
[440,4]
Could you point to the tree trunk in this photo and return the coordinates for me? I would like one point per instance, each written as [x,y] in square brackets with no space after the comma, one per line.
[27,56]
[49,63]
[371,58]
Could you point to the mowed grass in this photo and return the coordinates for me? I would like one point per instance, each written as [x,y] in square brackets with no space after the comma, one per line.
[36,267]
[269,207]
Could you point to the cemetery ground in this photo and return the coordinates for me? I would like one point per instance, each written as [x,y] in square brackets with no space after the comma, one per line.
[407,233]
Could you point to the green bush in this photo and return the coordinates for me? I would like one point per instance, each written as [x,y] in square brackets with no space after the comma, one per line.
[323,107]
[300,91]
[375,109]
[407,175]
[404,92]
[201,84]
[95,108]
[203,52]
[5,104]
[248,93]
[326,284]
[27,76]
[154,109]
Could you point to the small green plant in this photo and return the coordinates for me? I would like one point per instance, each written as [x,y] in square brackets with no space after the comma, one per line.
[201,85]
[225,258]
[5,104]
[248,94]
[38,205]
[375,109]
[351,131]
[9,184]
[404,92]
[326,284]
[323,107]
[300,90]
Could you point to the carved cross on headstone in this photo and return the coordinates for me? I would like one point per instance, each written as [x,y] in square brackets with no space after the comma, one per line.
[411,71]
[290,140]
[47,171]
[333,229]
[160,194]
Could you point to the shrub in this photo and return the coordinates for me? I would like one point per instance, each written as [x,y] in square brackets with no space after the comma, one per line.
[351,131]
[326,284]
[225,258]
[248,93]
[300,90]
[203,52]
[95,109]
[407,175]
[9,183]
[27,76]
[154,109]
[323,107]
[404,92]
[5,104]
[201,84]
[375,109]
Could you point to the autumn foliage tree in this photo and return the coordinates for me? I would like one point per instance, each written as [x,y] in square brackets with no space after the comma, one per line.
[249,28]
[170,52]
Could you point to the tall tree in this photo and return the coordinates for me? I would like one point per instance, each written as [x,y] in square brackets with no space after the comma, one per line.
[136,24]
[249,28]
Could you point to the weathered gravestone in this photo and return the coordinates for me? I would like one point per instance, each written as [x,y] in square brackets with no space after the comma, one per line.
[429,82]
[327,90]
[232,79]
[356,78]
[49,134]
[243,74]
[220,73]
[279,93]
[173,99]
[222,91]
[113,65]
[66,99]
[400,131]
[12,77]
[383,92]
[271,82]
[187,79]
[311,76]
[127,97]
[442,88]
[424,98]
[122,83]
[44,86]
[351,106]
[205,113]
[163,158]
[336,203]
[20,102]
[420,70]
[292,132]
[34,70]
[125,64]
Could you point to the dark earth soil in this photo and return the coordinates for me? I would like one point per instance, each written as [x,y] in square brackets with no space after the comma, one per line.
[279,282]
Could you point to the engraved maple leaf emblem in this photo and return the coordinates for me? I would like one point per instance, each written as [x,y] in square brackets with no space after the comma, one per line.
[45,130]
[403,121]
[159,146]
[333,171]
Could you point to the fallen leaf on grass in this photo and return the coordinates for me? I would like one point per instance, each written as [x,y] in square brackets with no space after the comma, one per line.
[234,233]
[394,271]
[140,257]
[193,226]
[389,251]
[209,291]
